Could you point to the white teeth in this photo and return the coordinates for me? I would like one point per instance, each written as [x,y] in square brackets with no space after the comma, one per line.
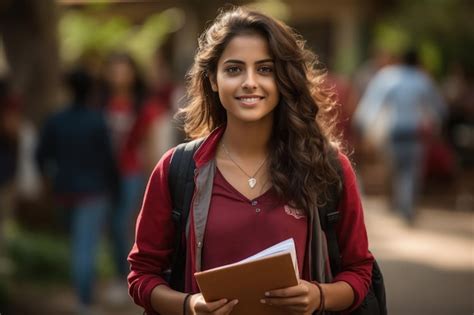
[249,100]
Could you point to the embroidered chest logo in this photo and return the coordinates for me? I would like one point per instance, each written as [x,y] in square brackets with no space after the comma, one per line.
[296,213]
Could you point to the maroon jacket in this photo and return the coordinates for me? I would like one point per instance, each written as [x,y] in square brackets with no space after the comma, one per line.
[152,251]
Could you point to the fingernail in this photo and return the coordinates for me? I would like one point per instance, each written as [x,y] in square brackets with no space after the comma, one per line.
[267,293]
[263,301]
[236,301]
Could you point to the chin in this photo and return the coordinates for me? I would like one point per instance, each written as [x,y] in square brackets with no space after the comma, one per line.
[253,118]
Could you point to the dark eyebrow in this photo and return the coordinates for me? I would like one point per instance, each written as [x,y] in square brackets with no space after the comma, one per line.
[264,61]
[241,62]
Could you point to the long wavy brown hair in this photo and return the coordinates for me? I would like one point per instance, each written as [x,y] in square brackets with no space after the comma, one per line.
[303,135]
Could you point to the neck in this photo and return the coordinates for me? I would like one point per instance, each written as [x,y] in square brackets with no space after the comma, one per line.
[248,139]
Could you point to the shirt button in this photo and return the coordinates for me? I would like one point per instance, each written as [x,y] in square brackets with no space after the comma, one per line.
[257,210]
[199,244]
[254,202]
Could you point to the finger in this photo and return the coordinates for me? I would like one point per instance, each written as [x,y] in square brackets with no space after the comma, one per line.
[291,301]
[296,290]
[227,308]
[203,306]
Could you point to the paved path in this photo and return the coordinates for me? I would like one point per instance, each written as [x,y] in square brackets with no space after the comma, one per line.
[60,300]
[428,268]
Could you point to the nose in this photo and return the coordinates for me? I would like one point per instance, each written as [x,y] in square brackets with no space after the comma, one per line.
[250,81]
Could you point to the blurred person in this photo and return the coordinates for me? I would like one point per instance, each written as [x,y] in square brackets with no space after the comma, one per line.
[344,96]
[161,84]
[9,131]
[121,99]
[364,154]
[458,87]
[156,117]
[93,62]
[379,58]
[399,110]
[263,169]
[19,176]
[10,118]
[75,151]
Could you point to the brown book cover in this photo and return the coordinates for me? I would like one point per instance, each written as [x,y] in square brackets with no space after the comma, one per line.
[248,281]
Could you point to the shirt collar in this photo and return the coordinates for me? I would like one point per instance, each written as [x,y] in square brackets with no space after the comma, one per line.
[207,150]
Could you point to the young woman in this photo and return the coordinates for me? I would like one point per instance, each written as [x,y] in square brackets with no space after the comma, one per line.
[263,167]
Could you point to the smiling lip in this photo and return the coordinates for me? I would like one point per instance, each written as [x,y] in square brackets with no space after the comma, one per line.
[249,99]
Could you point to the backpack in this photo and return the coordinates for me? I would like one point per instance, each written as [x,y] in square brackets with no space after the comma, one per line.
[181,187]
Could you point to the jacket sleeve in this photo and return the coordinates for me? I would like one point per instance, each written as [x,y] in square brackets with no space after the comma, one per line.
[154,234]
[357,261]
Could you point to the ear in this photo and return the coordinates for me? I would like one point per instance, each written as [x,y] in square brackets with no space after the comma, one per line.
[213,81]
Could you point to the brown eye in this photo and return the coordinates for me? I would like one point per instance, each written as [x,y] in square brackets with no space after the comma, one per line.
[232,70]
[265,69]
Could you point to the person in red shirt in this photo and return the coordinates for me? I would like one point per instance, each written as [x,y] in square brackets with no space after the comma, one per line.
[121,97]
[261,173]
[155,125]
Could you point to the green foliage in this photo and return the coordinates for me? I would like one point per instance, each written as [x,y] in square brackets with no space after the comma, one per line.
[143,42]
[441,30]
[391,37]
[276,8]
[80,33]
[38,257]
[83,31]
[430,54]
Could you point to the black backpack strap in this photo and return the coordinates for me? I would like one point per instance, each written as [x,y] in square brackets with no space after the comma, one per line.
[180,175]
[181,187]
[375,301]
[329,214]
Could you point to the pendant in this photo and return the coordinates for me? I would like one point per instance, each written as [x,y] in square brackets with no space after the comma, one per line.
[252,182]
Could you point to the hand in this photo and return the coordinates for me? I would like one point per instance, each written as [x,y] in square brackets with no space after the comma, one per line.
[303,298]
[199,306]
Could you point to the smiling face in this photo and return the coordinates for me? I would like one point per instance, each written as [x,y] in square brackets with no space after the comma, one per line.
[245,80]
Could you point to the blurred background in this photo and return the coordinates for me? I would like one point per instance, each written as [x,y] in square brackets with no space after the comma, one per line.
[87,94]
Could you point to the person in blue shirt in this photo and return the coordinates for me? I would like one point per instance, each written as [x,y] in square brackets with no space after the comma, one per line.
[400,108]
[75,151]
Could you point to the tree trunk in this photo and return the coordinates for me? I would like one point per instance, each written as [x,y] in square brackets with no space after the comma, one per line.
[29,32]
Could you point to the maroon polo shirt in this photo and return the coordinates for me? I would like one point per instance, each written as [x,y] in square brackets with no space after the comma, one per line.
[238,227]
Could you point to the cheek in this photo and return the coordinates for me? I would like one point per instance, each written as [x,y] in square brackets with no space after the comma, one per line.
[227,86]
[222,93]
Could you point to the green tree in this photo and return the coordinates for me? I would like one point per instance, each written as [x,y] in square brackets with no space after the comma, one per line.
[442,30]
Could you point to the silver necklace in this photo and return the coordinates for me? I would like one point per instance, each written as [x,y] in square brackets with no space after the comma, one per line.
[252,181]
